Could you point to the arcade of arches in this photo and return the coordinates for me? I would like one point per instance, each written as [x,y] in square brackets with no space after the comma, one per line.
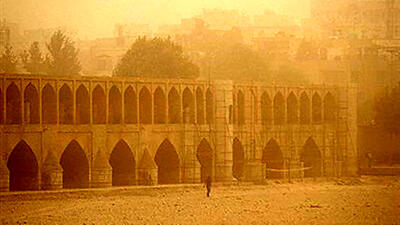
[54,132]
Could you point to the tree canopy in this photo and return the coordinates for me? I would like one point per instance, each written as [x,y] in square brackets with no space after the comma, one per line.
[387,107]
[8,61]
[33,60]
[156,58]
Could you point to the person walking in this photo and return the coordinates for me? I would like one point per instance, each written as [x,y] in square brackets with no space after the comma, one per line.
[208,185]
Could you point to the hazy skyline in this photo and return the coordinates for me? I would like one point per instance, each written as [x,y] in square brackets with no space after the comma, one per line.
[96,18]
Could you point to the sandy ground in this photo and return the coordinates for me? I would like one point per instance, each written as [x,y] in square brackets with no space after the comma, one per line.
[366,200]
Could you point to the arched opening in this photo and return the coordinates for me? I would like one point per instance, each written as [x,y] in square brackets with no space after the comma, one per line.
[167,161]
[279,109]
[82,110]
[188,106]
[31,105]
[75,167]
[234,109]
[311,157]
[130,106]
[65,105]
[304,109]
[266,109]
[114,106]
[49,105]
[1,108]
[238,159]
[99,105]
[123,165]
[292,111]
[273,159]
[209,107]
[316,108]
[13,104]
[329,108]
[23,167]
[204,155]
[145,104]
[159,106]
[174,107]
[241,107]
[200,106]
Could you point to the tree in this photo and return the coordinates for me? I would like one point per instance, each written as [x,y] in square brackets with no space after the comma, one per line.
[8,61]
[63,56]
[157,58]
[33,60]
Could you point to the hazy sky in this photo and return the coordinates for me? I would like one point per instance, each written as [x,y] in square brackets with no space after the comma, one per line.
[93,18]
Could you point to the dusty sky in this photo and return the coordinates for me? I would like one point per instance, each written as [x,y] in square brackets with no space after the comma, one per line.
[94,18]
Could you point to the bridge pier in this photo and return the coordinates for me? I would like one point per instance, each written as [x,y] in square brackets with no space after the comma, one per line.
[101,172]
[4,176]
[52,174]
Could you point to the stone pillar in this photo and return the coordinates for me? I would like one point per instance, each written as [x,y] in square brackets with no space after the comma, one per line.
[52,173]
[147,170]
[101,171]
[254,171]
[4,177]
[223,131]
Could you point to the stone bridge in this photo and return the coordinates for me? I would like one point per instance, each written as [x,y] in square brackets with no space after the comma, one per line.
[78,132]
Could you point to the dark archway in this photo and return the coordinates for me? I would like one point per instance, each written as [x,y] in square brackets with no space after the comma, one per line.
[316,108]
[1,107]
[114,106]
[311,157]
[160,108]
[123,165]
[130,106]
[273,158]
[24,169]
[99,105]
[75,167]
[204,155]
[188,106]
[145,105]
[266,109]
[49,105]
[65,105]
[82,110]
[31,105]
[238,159]
[241,107]
[304,109]
[209,107]
[13,104]
[167,161]
[174,107]
[292,109]
[200,106]
[279,109]
[329,108]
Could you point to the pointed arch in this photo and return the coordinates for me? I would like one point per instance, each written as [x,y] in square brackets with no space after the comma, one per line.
[1,107]
[241,107]
[199,106]
[167,161]
[99,105]
[82,108]
[292,109]
[123,165]
[130,105]
[65,99]
[316,108]
[23,167]
[204,156]
[209,106]
[311,157]
[174,107]
[188,106]
[31,105]
[304,109]
[49,105]
[329,108]
[238,159]
[75,166]
[13,104]
[159,106]
[266,109]
[279,109]
[114,106]
[273,159]
[145,105]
